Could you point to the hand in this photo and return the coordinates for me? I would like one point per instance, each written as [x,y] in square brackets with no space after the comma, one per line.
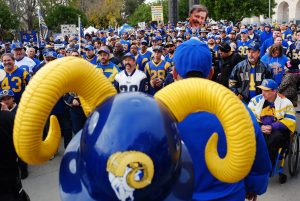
[266,129]
[240,96]
[75,102]
[159,83]
[4,107]
[251,196]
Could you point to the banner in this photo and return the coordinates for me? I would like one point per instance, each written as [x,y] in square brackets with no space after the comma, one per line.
[68,29]
[28,36]
[157,13]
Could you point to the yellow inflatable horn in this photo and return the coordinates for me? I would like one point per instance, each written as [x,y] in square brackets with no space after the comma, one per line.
[194,94]
[49,84]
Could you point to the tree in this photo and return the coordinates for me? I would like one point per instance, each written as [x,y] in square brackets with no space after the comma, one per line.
[105,13]
[141,14]
[183,8]
[129,6]
[60,14]
[7,19]
[235,10]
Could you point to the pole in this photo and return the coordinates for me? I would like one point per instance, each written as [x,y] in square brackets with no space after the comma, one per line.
[270,11]
[79,34]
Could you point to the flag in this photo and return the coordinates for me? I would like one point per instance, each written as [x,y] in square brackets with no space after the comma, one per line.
[81,37]
[43,27]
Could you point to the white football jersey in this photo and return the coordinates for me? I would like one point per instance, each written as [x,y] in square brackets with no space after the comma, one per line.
[130,82]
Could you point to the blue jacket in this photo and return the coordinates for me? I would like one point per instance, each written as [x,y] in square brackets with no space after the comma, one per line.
[265,35]
[268,43]
[195,136]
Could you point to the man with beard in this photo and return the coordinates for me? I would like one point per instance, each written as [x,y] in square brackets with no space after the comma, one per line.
[118,54]
[16,78]
[249,74]
[213,47]
[130,79]
[110,69]
[140,61]
[90,54]
[171,49]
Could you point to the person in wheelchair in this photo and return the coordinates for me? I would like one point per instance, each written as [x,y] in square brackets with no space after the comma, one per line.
[276,116]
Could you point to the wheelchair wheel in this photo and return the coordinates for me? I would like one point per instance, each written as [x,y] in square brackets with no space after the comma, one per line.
[293,156]
[282,178]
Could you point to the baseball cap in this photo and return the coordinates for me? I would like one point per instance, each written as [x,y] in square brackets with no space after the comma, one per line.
[89,47]
[158,38]
[250,28]
[232,32]
[17,46]
[254,46]
[128,55]
[50,54]
[224,47]
[268,84]
[6,92]
[157,48]
[144,41]
[179,39]
[168,44]
[211,37]
[104,49]
[245,31]
[192,55]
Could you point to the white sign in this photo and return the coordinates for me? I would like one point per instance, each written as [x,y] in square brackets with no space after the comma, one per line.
[142,25]
[157,13]
[58,46]
[68,29]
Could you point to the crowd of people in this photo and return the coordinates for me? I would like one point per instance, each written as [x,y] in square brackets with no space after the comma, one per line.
[254,62]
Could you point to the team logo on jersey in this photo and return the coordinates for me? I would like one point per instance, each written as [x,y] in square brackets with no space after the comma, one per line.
[128,171]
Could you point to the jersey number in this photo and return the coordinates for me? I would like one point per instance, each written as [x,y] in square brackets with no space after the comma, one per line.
[124,88]
[159,74]
[18,84]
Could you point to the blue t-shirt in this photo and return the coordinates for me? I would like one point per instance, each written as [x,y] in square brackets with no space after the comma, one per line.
[276,65]
[195,130]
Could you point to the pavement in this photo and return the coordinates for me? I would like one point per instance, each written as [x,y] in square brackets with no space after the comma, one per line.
[42,183]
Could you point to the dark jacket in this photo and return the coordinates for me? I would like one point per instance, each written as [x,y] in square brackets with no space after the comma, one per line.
[239,79]
[227,64]
[8,156]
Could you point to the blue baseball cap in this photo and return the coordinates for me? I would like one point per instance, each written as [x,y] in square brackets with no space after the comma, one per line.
[158,38]
[192,55]
[128,55]
[244,31]
[17,46]
[211,37]
[254,46]
[6,92]
[50,54]
[268,84]
[104,49]
[89,47]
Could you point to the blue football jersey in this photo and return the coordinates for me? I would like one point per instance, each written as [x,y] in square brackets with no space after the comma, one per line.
[243,47]
[16,81]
